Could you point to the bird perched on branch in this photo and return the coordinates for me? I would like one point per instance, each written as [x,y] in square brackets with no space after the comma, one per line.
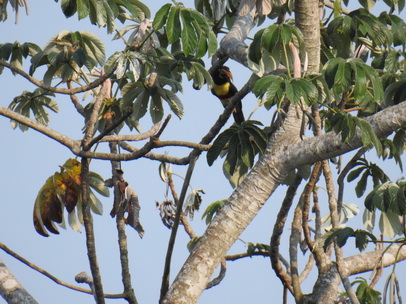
[224,89]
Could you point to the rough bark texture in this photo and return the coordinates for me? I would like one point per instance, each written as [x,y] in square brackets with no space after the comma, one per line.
[11,290]
[326,287]
[249,197]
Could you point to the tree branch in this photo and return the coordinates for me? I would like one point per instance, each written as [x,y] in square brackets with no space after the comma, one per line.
[11,290]
[264,178]
[39,83]
[335,223]
[52,277]
[90,239]
[278,230]
[122,237]
[73,145]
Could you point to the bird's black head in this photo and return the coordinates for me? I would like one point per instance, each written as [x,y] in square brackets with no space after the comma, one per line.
[222,75]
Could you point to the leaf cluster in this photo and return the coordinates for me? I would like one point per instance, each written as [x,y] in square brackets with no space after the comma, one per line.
[365,293]
[258,247]
[36,103]
[104,12]
[347,125]
[270,47]
[15,52]
[66,53]
[341,235]
[63,191]
[388,197]
[272,90]
[240,143]
[187,26]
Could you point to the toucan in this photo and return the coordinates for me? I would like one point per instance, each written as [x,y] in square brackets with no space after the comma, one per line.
[224,89]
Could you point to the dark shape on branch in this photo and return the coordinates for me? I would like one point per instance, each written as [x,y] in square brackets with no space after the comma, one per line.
[224,89]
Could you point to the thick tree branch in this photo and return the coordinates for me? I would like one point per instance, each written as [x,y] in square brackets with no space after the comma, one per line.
[264,179]
[11,290]
[194,155]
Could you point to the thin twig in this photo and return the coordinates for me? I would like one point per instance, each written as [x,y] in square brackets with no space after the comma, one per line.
[52,277]
[335,222]
[75,100]
[183,218]
[122,237]
[89,232]
[39,83]
[278,230]
[217,280]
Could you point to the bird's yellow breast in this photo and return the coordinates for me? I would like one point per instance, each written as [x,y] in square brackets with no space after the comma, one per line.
[221,90]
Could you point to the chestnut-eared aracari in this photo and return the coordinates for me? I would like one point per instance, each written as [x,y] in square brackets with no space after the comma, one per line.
[224,89]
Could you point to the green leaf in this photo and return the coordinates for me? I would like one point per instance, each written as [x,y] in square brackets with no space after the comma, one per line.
[173,26]
[212,44]
[234,153]
[355,173]
[156,109]
[97,183]
[174,102]
[218,145]
[342,79]
[361,239]
[212,209]
[369,137]
[271,38]
[254,51]
[188,34]
[247,152]
[161,16]
[340,235]
[83,8]
[141,105]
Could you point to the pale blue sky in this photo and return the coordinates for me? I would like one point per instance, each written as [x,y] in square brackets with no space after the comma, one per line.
[30,158]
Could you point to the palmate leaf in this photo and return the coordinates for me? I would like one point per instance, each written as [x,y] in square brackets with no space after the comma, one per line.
[37,103]
[240,143]
[188,27]
[341,235]
[62,191]
[67,52]
[15,52]
[104,12]
[270,47]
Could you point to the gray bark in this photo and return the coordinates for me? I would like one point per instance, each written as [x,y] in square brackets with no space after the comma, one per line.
[11,290]
[246,201]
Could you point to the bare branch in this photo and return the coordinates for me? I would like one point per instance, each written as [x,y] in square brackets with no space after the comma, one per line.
[220,277]
[278,230]
[50,276]
[39,83]
[335,223]
[89,230]
[132,137]
[73,145]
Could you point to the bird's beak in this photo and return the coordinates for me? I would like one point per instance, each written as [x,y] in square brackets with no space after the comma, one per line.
[228,73]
